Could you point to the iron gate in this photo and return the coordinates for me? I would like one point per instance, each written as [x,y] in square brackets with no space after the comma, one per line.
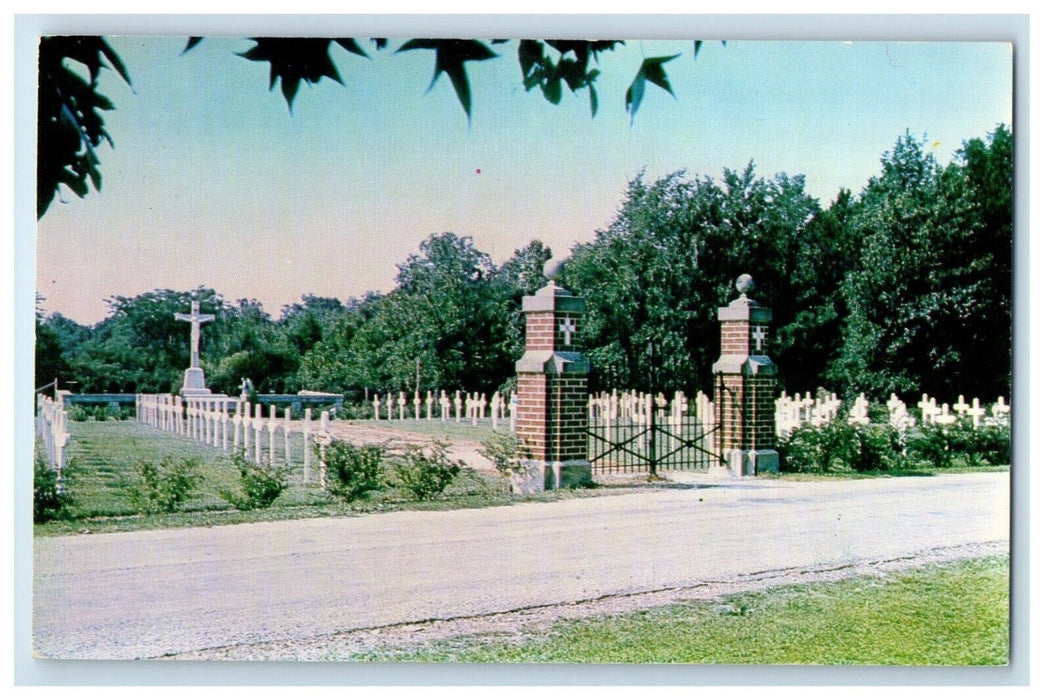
[635,433]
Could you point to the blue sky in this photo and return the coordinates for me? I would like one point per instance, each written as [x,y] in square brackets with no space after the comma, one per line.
[213,182]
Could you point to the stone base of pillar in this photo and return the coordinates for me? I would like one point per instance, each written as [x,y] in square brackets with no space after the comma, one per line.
[764,461]
[752,462]
[536,476]
[193,383]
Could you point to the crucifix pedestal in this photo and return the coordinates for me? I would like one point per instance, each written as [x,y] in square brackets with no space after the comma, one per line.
[193,378]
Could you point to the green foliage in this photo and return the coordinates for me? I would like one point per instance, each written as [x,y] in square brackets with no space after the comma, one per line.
[353,471]
[49,503]
[111,411]
[502,450]
[70,126]
[572,67]
[261,484]
[296,60]
[840,446]
[164,486]
[425,474]
[960,445]
[655,277]
[831,448]
[450,55]
[880,449]
[905,285]
[69,114]
[928,302]
[77,412]
[651,71]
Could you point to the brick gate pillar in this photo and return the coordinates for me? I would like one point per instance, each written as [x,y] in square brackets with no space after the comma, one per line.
[746,383]
[552,414]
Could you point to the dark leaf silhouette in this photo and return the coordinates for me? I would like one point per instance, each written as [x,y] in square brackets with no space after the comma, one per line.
[69,121]
[651,71]
[450,55]
[297,60]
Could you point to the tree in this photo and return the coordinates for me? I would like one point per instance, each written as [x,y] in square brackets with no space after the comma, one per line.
[654,279]
[245,343]
[928,304]
[70,126]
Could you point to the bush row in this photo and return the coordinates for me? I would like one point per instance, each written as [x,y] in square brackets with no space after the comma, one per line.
[841,446]
[355,471]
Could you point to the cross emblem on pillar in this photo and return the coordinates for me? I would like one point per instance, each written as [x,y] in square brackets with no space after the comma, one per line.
[196,318]
[568,328]
[759,337]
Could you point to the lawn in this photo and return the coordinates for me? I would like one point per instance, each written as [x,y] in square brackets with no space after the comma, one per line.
[944,615]
[102,469]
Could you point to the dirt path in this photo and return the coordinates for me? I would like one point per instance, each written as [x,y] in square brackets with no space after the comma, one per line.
[459,448]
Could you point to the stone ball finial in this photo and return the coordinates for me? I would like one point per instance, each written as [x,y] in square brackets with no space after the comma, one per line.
[745,284]
[553,269]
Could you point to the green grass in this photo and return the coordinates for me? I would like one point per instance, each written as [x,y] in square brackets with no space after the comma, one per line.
[946,615]
[102,461]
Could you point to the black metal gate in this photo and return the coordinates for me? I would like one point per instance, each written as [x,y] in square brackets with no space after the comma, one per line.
[638,433]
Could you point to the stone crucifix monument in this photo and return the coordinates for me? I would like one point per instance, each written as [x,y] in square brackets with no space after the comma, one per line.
[193,379]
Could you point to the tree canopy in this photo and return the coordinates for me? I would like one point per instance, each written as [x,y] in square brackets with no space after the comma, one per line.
[904,287]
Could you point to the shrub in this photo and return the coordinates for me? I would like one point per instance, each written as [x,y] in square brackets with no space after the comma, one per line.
[502,450]
[841,446]
[164,486]
[353,471]
[78,413]
[880,448]
[261,484]
[960,444]
[425,475]
[830,448]
[49,503]
[992,443]
[358,411]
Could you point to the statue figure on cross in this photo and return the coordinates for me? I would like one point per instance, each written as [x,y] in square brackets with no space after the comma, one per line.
[195,318]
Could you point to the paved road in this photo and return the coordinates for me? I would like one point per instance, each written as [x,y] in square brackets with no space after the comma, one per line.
[135,595]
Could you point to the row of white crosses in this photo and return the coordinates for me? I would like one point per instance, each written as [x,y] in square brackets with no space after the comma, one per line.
[246,432]
[790,412]
[609,409]
[53,431]
[933,413]
[463,405]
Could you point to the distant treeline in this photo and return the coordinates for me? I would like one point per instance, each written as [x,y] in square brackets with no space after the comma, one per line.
[904,287]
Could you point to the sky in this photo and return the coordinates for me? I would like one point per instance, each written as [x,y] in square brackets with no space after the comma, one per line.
[214,182]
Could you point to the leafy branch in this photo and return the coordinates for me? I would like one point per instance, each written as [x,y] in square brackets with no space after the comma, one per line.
[70,126]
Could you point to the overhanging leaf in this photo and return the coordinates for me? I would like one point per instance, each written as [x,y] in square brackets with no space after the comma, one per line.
[450,55]
[352,46]
[651,71]
[298,60]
